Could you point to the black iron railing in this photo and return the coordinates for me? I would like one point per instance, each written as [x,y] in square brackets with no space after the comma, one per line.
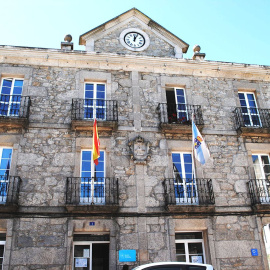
[252,117]
[14,106]
[180,114]
[187,191]
[9,190]
[87,190]
[84,109]
[259,190]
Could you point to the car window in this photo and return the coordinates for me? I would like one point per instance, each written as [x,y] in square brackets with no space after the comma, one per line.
[193,267]
[167,267]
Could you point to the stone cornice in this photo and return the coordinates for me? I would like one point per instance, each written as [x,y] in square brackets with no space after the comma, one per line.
[109,61]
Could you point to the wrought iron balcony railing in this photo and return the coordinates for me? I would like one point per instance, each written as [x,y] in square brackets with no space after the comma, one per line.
[95,191]
[14,106]
[87,109]
[252,117]
[180,114]
[259,190]
[188,191]
[9,190]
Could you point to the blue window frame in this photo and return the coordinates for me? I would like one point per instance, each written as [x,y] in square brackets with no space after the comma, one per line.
[11,92]
[249,109]
[185,183]
[92,184]
[95,104]
[6,155]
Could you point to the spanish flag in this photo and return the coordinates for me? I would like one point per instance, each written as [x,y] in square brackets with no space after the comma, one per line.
[96,143]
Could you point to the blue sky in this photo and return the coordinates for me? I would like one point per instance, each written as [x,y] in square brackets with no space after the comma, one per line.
[227,30]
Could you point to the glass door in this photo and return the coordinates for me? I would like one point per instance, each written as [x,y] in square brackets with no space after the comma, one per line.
[91,256]
[261,164]
[249,109]
[92,184]
[11,92]
[181,106]
[189,247]
[184,181]
[95,103]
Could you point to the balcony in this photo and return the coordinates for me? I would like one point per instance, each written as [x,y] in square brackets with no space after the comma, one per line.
[95,195]
[84,111]
[9,193]
[14,111]
[259,190]
[252,121]
[177,118]
[189,196]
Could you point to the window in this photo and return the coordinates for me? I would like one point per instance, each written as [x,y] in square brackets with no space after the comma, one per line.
[261,164]
[189,247]
[95,103]
[5,161]
[11,92]
[2,248]
[91,252]
[92,184]
[176,105]
[184,181]
[249,109]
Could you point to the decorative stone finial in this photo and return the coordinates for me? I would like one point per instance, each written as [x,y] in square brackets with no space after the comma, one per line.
[197,54]
[196,48]
[67,45]
[68,38]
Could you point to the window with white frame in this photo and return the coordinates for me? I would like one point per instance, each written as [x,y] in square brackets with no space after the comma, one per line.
[184,180]
[92,178]
[95,103]
[91,252]
[190,247]
[2,248]
[261,164]
[176,105]
[11,92]
[5,162]
[249,109]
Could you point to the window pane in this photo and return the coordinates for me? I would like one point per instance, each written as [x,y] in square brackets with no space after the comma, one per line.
[176,157]
[190,235]
[86,155]
[7,152]
[89,86]
[101,87]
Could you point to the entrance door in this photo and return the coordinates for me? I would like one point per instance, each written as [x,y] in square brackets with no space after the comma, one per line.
[91,256]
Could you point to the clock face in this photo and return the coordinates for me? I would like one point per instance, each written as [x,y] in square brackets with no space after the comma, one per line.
[134,40]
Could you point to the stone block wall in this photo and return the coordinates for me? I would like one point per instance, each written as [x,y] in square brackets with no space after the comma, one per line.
[46,156]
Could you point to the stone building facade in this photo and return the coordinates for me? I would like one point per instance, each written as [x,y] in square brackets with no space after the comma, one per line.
[146,206]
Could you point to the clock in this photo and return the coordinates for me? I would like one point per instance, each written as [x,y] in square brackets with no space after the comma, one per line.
[134,39]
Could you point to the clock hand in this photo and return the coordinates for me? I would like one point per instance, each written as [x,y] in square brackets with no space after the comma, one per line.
[135,36]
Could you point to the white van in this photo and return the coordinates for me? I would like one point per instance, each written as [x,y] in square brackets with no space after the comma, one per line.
[174,266]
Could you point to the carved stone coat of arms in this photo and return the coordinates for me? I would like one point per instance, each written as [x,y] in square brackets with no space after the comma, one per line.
[139,150]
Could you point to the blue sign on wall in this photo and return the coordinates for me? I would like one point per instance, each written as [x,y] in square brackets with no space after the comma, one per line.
[254,252]
[92,223]
[127,255]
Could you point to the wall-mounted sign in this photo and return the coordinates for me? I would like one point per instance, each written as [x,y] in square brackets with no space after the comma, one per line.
[91,223]
[127,255]
[254,252]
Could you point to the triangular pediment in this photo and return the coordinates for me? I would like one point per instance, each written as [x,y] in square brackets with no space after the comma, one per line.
[111,37]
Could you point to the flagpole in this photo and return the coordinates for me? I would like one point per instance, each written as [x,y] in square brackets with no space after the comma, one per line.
[193,159]
[92,178]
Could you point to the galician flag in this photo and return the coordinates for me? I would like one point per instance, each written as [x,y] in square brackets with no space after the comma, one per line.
[200,149]
[96,143]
